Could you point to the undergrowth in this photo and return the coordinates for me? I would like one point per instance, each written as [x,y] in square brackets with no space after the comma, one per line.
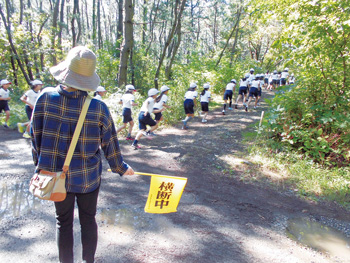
[301,174]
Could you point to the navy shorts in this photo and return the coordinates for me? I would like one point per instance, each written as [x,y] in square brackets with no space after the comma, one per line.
[275,81]
[205,106]
[127,115]
[189,105]
[29,112]
[157,116]
[145,120]
[228,94]
[266,81]
[253,92]
[4,106]
[242,91]
[283,81]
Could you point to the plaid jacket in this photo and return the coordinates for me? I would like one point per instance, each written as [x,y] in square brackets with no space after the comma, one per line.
[55,116]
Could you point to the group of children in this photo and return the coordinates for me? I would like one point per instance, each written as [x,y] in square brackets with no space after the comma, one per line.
[250,86]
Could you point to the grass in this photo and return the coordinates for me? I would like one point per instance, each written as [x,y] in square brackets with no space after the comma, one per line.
[306,178]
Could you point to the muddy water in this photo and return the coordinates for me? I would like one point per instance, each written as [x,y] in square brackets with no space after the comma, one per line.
[15,200]
[319,237]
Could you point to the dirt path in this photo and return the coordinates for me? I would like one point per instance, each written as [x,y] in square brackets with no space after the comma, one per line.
[221,218]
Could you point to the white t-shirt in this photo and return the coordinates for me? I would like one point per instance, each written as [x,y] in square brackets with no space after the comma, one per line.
[191,95]
[4,93]
[127,100]
[230,86]
[159,105]
[284,75]
[255,83]
[251,78]
[148,105]
[206,96]
[274,76]
[31,96]
[243,83]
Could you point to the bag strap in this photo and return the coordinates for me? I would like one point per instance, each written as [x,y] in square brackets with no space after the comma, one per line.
[76,134]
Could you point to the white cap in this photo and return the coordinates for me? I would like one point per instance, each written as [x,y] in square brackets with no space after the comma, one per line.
[152,92]
[251,69]
[286,69]
[36,82]
[4,82]
[206,86]
[233,80]
[100,89]
[246,75]
[193,85]
[164,88]
[129,87]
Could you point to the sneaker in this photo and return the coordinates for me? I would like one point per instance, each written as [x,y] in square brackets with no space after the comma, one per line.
[6,126]
[230,108]
[152,134]
[130,138]
[204,121]
[236,107]
[147,135]
[20,127]
[26,135]
[244,104]
[184,127]
[246,108]
[136,146]
[258,103]
[254,108]
[223,112]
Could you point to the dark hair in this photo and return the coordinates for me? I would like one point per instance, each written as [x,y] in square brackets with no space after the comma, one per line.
[95,93]
[160,96]
[203,91]
[129,91]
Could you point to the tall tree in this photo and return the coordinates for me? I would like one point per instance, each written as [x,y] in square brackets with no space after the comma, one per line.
[128,41]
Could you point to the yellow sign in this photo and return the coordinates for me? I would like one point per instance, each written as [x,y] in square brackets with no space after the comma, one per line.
[164,193]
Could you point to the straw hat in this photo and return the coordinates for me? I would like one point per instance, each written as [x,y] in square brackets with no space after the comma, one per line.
[78,70]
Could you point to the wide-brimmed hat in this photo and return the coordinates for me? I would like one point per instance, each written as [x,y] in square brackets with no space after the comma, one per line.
[78,70]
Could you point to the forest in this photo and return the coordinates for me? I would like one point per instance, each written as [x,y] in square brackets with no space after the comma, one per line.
[150,43]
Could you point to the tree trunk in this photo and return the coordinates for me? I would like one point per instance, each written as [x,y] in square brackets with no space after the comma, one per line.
[60,27]
[144,26]
[176,48]
[99,24]
[54,32]
[94,21]
[19,62]
[230,36]
[21,7]
[76,17]
[119,28]
[152,23]
[170,37]
[128,39]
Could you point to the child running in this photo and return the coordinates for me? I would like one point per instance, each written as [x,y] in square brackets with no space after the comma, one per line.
[128,102]
[99,93]
[254,92]
[242,92]
[4,98]
[189,104]
[145,117]
[230,88]
[160,103]
[29,98]
[205,98]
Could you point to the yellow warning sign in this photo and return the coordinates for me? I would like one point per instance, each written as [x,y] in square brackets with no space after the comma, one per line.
[164,194]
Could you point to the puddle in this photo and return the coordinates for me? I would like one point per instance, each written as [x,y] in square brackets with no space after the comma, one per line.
[319,237]
[15,200]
